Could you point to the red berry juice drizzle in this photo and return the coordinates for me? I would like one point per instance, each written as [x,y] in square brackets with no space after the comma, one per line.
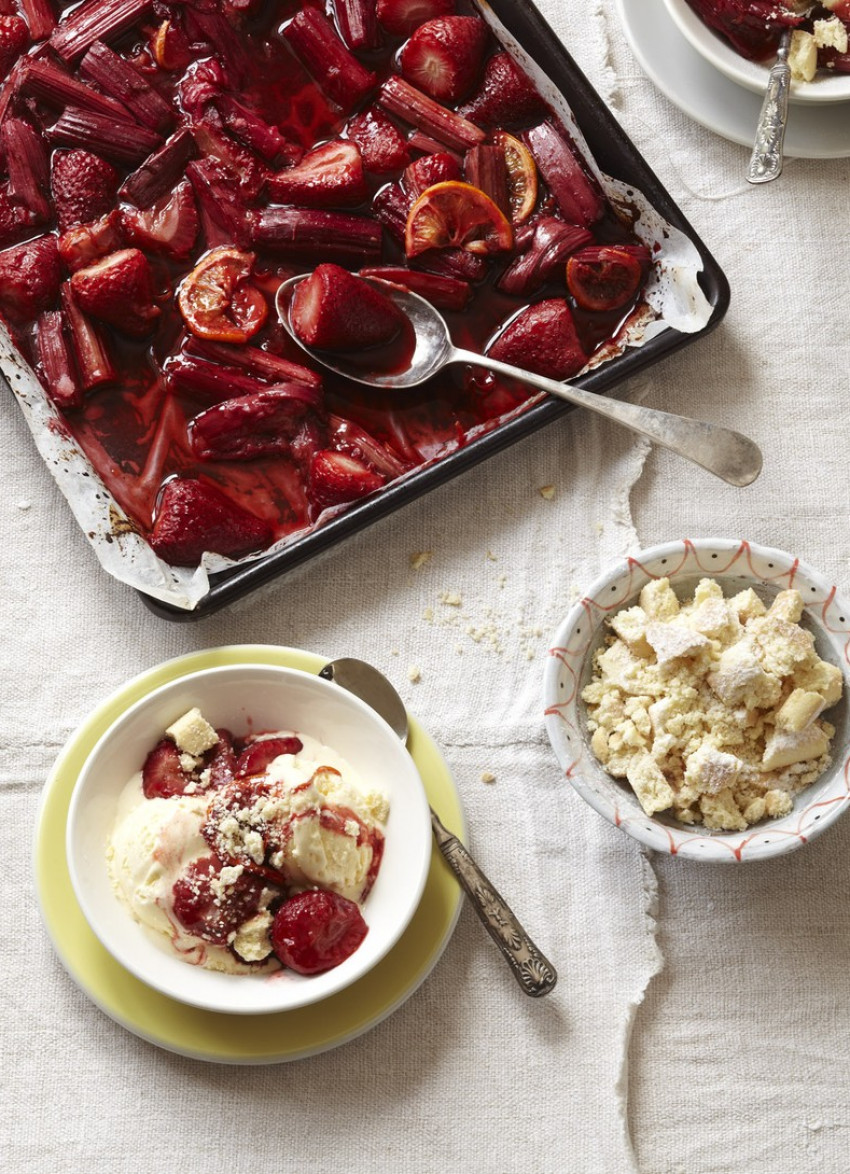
[134,432]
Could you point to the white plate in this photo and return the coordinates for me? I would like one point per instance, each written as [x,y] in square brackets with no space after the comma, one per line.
[712,100]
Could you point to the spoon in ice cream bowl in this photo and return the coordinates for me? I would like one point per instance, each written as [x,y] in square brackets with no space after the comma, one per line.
[729,455]
[532,970]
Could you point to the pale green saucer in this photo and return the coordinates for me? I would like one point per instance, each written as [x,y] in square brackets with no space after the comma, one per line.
[206,1035]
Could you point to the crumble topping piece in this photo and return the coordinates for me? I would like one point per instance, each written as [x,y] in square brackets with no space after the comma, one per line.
[711,707]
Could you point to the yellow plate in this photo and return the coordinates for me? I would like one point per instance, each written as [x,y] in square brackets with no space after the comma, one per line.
[207,1035]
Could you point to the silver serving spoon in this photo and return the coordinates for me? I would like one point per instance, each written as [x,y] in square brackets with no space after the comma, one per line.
[729,455]
[534,972]
[766,159]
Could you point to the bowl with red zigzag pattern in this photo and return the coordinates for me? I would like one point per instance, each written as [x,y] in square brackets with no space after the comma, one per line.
[736,565]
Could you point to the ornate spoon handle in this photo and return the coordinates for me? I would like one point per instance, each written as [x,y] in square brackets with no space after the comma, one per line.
[766,159]
[534,972]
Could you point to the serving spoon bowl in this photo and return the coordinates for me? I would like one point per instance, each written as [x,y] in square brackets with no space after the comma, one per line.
[730,456]
[532,970]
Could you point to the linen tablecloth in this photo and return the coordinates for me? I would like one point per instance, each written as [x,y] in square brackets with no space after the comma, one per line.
[699,1023]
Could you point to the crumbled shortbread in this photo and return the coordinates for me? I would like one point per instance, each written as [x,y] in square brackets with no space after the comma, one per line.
[547,492]
[414,674]
[192,733]
[420,558]
[711,708]
[487,776]
[803,56]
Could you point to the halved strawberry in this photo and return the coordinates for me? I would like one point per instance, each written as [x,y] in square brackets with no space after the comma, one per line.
[382,145]
[250,426]
[444,57]
[14,38]
[83,187]
[256,756]
[195,516]
[29,278]
[118,289]
[401,17]
[85,243]
[162,772]
[334,310]
[169,226]
[542,338]
[506,95]
[336,477]
[14,219]
[211,908]
[422,173]
[328,176]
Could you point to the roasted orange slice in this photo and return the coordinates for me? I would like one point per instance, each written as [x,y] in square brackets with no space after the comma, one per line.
[459,216]
[217,299]
[522,176]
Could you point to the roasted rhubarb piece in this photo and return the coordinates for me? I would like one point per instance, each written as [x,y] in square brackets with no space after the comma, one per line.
[15,220]
[195,516]
[485,168]
[605,277]
[577,194]
[304,232]
[328,176]
[444,57]
[226,219]
[405,101]
[551,244]
[218,299]
[456,215]
[119,290]
[123,142]
[26,159]
[251,426]
[84,243]
[93,362]
[29,278]
[446,293]
[358,23]
[41,79]
[119,78]
[334,68]
[336,478]
[334,310]
[253,132]
[83,187]
[262,364]
[160,171]
[543,339]
[95,20]
[347,437]
[39,17]
[211,381]
[56,361]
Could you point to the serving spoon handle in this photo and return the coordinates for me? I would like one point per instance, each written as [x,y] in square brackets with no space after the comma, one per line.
[532,970]
[729,455]
[766,159]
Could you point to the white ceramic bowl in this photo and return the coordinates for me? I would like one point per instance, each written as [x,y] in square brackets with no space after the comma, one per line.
[242,697]
[752,75]
[735,565]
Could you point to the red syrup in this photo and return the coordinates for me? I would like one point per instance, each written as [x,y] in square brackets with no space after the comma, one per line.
[135,429]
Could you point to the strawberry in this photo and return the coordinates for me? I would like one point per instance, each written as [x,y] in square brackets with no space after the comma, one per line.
[382,145]
[317,930]
[401,17]
[118,289]
[256,757]
[253,425]
[83,187]
[336,477]
[14,219]
[542,338]
[424,172]
[506,95]
[334,310]
[211,908]
[29,278]
[329,175]
[169,226]
[195,516]
[14,39]
[444,57]
[85,243]
[162,773]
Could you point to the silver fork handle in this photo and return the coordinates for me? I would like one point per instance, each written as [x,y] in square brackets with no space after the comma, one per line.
[532,970]
[766,159]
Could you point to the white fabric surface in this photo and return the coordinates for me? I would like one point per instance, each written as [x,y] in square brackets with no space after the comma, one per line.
[736,1059]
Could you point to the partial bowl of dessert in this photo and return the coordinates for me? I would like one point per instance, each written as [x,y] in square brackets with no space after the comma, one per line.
[696,697]
[740,40]
[249,839]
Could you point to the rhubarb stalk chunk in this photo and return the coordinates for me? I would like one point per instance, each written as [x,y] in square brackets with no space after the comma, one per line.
[336,71]
[576,194]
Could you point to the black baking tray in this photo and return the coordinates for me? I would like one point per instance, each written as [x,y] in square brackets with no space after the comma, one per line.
[617,156]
